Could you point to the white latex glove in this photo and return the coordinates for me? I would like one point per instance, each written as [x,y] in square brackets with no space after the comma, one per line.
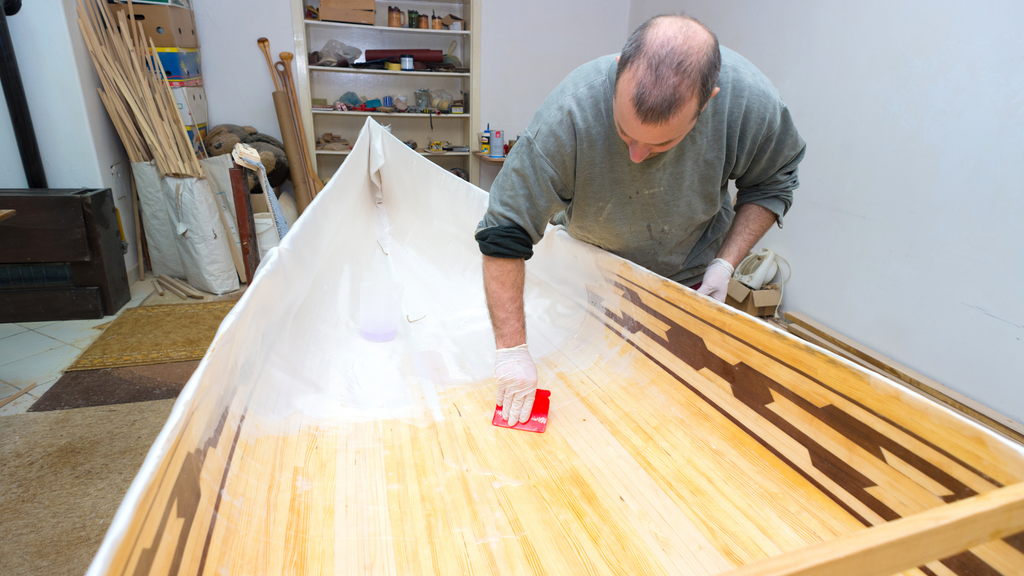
[517,383]
[716,279]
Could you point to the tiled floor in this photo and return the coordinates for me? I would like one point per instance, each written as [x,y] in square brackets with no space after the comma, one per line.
[39,352]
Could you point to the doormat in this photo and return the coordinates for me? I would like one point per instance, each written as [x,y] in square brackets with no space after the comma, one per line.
[63,475]
[107,386]
[155,335]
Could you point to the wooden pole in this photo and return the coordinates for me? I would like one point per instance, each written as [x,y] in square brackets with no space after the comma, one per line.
[286,58]
[291,149]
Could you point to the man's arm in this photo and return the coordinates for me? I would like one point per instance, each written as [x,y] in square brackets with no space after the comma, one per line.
[514,370]
[748,226]
[503,284]
[751,222]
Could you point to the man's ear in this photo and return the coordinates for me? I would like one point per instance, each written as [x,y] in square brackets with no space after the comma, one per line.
[715,91]
[616,58]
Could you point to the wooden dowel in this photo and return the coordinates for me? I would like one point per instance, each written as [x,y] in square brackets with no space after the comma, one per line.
[159,287]
[171,288]
[184,287]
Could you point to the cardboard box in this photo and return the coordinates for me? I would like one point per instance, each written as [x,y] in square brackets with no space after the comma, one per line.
[192,98]
[181,65]
[168,26]
[453,22]
[761,302]
[352,11]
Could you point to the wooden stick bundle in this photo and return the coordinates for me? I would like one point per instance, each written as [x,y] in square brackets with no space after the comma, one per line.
[135,90]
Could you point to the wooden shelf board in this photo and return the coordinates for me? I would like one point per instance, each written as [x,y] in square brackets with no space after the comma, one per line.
[391,114]
[318,23]
[481,156]
[393,72]
[347,152]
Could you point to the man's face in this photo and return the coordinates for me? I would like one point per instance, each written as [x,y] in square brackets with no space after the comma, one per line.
[645,140]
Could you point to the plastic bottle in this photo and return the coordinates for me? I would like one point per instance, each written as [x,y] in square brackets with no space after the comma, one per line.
[485,141]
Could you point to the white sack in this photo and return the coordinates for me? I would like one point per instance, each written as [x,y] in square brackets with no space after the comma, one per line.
[160,236]
[200,236]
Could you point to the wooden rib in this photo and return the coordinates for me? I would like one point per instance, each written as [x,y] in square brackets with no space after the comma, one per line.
[904,543]
[975,410]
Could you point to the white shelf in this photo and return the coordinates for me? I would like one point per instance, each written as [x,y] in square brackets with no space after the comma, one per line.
[317,23]
[392,114]
[347,152]
[392,72]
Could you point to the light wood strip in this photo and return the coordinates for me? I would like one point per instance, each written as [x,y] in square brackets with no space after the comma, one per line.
[907,542]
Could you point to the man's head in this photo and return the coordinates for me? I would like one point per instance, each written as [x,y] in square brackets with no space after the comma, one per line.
[666,75]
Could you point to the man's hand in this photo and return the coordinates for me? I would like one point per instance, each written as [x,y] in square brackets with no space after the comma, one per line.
[749,225]
[716,279]
[517,383]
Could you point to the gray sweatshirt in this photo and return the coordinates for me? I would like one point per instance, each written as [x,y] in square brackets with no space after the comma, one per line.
[669,213]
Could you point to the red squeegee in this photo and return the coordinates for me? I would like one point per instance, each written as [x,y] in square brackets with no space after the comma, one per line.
[538,421]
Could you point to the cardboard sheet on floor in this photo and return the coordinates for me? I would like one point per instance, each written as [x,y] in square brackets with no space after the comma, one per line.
[683,437]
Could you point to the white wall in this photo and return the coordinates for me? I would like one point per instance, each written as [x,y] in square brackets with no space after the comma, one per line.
[235,74]
[905,232]
[528,47]
[77,142]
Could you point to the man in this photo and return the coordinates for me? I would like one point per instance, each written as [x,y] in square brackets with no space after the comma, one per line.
[634,154]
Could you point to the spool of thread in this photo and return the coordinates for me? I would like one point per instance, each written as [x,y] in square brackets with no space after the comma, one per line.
[497,144]
[407,62]
[394,67]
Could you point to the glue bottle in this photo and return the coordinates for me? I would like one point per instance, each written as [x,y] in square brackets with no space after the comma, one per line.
[485,141]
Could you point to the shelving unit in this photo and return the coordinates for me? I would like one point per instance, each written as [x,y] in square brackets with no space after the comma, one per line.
[330,83]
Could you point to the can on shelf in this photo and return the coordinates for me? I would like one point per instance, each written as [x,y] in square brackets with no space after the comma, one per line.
[497,144]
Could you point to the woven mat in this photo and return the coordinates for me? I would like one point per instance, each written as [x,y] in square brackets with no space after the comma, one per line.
[63,476]
[107,386]
[155,335]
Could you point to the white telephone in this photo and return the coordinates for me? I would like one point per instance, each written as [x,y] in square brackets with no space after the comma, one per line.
[757,269]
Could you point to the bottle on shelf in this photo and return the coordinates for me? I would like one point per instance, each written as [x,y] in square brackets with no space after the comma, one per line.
[485,141]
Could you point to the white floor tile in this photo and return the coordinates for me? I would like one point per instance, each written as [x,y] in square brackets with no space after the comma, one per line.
[18,406]
[79,333]
[143,288]
[6,390]
[34,325]
[10,330]
[39,368]
[24,345]
[41,389]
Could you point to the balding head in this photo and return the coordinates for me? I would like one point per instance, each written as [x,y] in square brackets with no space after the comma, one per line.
[667,63]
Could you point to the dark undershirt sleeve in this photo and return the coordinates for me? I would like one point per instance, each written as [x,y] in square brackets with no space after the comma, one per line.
[507,241]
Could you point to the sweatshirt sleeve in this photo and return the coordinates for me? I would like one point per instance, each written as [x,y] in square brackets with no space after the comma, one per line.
[771,174]
[528,191]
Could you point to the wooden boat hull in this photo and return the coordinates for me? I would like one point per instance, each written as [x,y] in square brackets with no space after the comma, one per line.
[683,438]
